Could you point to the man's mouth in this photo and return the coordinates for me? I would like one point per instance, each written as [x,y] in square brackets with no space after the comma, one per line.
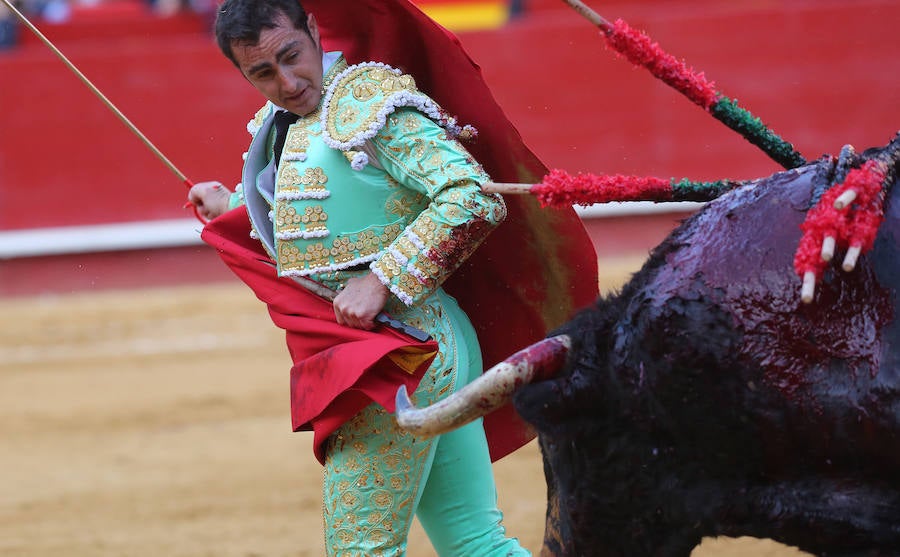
[297,96]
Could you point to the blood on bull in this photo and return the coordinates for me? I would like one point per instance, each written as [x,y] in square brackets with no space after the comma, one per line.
[707,399]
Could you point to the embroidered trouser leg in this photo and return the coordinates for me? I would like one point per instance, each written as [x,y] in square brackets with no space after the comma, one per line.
[376,474]
[373,479]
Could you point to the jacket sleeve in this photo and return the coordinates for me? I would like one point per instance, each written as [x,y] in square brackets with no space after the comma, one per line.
[417,153]
[236,199]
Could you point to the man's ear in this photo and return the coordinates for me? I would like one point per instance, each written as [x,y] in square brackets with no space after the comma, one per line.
[313,30]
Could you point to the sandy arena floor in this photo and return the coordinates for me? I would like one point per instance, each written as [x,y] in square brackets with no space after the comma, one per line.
[155,423]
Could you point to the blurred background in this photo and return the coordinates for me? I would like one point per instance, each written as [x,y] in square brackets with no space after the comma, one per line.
[73,179]
[143,390]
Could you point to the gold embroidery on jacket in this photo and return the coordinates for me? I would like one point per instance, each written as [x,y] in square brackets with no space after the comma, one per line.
[290,182]
[351,247]
[298,140]
[314,179]
[289,220]
[364,92]
[348,115]
[371,86]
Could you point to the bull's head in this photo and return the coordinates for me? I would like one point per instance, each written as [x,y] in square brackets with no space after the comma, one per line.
[489,392]
[706,399]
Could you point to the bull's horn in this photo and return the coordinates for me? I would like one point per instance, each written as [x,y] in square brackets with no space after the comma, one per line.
[486,393]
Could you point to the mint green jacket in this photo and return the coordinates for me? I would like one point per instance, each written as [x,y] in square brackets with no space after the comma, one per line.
[374,176]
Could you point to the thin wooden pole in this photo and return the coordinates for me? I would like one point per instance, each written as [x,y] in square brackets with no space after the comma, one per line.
[590,15]
[506,189]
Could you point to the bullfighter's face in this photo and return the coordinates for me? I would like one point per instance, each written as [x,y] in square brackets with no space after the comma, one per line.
[285,65]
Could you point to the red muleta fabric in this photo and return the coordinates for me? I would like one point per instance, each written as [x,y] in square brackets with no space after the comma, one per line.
[539,266]
[337,370]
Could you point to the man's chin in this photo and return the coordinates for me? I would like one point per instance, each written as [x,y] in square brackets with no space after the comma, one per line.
[299,107]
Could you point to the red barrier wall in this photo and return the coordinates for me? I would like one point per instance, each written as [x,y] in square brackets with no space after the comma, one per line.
[821,73]
[66,159]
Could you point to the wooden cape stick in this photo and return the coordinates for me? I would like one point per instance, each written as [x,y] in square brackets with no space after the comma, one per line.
[97,92]
[590,15]
[507,189]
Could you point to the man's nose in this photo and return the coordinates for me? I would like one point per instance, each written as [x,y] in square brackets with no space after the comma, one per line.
[286,80]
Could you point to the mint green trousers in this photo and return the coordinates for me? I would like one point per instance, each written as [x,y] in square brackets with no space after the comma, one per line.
[377,476]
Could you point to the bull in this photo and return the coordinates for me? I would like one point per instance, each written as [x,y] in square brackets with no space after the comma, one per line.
[705,399]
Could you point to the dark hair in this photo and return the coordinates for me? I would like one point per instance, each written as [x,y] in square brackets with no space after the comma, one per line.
[242,21]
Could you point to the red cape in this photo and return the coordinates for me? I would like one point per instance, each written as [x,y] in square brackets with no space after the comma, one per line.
[539,265]
[372,364]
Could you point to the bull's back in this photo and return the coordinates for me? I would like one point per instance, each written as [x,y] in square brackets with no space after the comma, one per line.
[816,382]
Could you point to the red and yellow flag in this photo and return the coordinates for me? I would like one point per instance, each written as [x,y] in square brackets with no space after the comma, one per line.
[467,15]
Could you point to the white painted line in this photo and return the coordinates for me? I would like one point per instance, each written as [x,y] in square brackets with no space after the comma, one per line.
[100,237]
[36,242]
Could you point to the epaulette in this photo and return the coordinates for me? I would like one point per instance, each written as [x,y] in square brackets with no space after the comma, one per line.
[359,100]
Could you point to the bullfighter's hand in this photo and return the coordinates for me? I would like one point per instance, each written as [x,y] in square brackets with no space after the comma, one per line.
[357,304]
[210,199]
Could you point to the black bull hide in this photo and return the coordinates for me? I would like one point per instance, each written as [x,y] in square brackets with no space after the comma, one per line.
[705,399]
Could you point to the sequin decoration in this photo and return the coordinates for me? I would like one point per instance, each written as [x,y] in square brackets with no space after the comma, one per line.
[374,470]
[343,251]
[293,185]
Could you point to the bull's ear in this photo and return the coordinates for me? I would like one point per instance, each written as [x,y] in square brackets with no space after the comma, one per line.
[542,405]
[593,328]
[580,389]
